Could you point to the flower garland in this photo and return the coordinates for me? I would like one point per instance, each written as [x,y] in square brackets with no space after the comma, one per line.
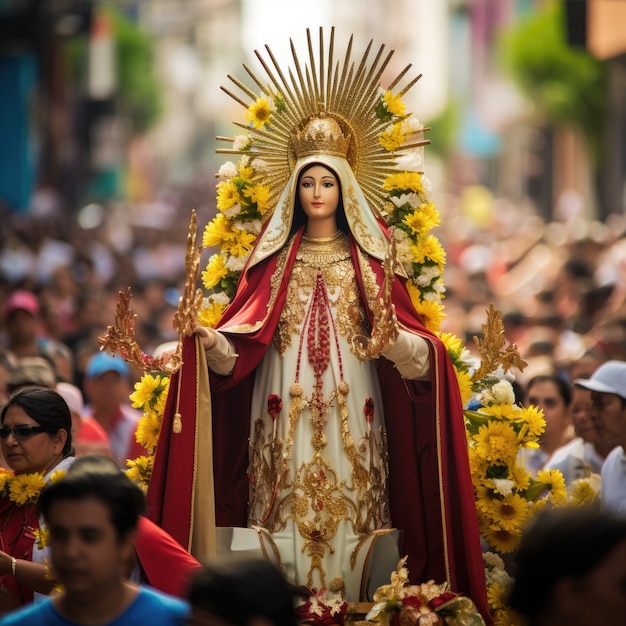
[23,489]
[243,203]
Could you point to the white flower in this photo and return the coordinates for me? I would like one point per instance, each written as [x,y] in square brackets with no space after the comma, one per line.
[428,186]
[405,198]
[411,162]
[412,125]
[218,298]
[503,486]
[260,166]
[233,211]
[242,142]
[439,286]
[493,560]
[228,170]
[432,296]
[236,263]
[500,393]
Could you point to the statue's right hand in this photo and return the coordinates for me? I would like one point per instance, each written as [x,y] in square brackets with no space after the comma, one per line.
[208,336]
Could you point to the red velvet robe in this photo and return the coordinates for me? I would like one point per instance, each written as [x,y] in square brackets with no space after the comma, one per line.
[430,489]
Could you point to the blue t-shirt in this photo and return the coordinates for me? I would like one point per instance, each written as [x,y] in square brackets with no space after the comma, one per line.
[149,607]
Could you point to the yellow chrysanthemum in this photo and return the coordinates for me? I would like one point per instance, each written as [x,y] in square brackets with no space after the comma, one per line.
[520,476]
[429,249]
[5,475]
[485,498]
[508,412]
[497,596]
[260,195]
[25,488]
[241,244]
[227,195]
[147,432]
[158,405]
[245,171]
[55,477]
[419,222]
[452,343]
[554,478]
[431,312]
[214,272]
[534,418]
[211,314]
[506,617]
[42,537]
[582,493]
[394,103]
[510,512]
[465,385]
[503,541]
[145,391]
[392,138]
[478,467]
[496,441]
[140,470]
[408,181]
[259,112]
[218,231]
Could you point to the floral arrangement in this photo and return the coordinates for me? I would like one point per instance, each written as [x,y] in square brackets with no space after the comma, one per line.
[428,604]
[24,489]
[323,608]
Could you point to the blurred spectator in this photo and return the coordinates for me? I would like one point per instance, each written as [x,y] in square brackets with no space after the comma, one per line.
[87,434]
[571,568]
[31,371]
[608,394]
[6,368]
[242,592]
[107,388]
[553,396]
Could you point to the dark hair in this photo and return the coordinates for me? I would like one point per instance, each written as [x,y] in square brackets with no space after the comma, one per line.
[558,544]
[300,217]
[47,408]
[239,590]
[564,389]
[100,478]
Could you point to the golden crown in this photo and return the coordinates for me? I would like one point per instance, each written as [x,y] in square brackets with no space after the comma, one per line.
[321,135]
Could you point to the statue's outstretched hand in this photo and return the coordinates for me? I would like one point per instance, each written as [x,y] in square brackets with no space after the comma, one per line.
[208,336]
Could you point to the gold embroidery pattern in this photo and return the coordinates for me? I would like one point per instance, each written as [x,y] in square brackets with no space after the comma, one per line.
[332,259]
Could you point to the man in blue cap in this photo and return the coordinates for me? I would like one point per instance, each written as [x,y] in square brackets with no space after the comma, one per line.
[107,387]
[608,394]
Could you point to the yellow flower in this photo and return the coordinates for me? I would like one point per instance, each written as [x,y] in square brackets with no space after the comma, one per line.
[429,249]
[227,195]
[506,617]
[534,418]
[478,467]
[260,195]
[241,244]
[521,476]
[147,432]
[496,441]
[5,476]
[485,497]
[55,477]
[431,312]
[556,482]
[214,272]
[42,537]
[140,470]
[418,222]
[25,488]
[510,512]
[145,391]
[452,343]
[211,314]
[392,139]
[159,405]
[394,103]
[497,596]
[465,385]
[582,493]
[259,112]
[503,541]
[245,171]
[404,180]
[217,231]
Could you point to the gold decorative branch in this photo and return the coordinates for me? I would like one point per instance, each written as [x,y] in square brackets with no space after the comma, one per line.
[120,337]
[493,347]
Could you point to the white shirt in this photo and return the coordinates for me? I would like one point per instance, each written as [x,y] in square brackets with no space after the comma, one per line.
[614,481]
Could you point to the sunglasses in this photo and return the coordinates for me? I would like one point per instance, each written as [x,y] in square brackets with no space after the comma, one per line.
[21,433]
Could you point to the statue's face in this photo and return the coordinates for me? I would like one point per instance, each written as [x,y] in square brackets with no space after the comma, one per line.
[319,192]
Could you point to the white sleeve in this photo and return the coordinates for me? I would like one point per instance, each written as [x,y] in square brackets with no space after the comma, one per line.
[410,354]
[222,356]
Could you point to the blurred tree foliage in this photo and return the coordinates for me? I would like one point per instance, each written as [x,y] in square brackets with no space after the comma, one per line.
[444,129]
[138,91]
[567,83]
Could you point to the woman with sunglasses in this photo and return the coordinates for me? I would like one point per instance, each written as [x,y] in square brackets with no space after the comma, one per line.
[36,441]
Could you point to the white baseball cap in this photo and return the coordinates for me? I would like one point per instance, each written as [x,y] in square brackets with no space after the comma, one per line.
[72,395]
[610,377]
